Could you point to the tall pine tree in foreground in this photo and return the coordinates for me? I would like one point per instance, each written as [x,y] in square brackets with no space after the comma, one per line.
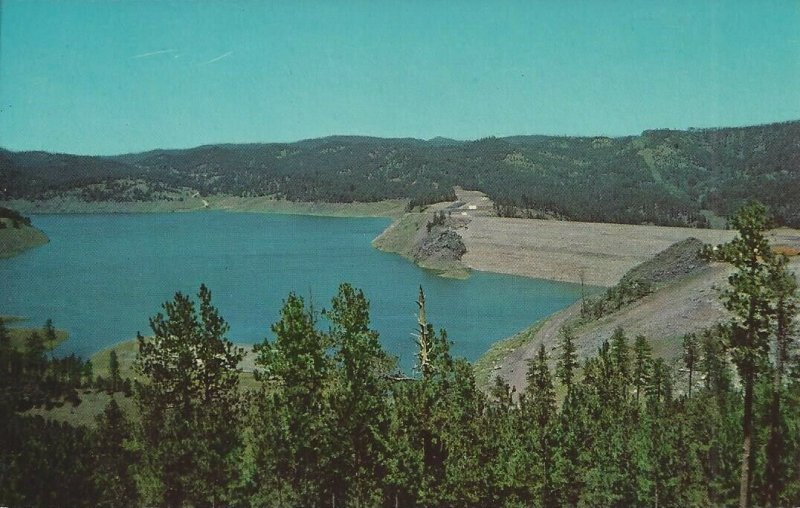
[359,391]
[751,299]
[293,425]
[189,435]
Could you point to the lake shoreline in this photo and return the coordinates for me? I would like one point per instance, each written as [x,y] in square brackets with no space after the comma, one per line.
[251,262]
[15,241]
[69,206]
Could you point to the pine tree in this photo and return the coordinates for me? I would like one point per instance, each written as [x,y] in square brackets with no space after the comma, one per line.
[34,353]
[540,408]
[5,338]
[713,360]
[113,369]
[750,299]
[784,285]
[358,398]
[50,335]
[620,352]
[189,434]
[295,447]
[567,358]
[659,391]
[112,460]
[642,360]
[690,354]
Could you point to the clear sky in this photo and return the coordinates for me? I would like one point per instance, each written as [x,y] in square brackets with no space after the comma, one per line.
[105,77]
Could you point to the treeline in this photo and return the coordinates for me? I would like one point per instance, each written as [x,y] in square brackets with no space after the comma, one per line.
[662,177]
[333,423]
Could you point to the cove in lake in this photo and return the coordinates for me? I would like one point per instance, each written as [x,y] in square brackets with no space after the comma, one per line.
[102,276]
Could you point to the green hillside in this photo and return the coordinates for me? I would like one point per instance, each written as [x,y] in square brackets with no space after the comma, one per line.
[662,177]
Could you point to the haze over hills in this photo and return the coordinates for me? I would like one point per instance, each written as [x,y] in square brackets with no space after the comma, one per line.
[665,177]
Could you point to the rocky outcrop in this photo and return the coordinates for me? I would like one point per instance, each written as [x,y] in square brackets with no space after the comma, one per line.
[429,239]
[441,243]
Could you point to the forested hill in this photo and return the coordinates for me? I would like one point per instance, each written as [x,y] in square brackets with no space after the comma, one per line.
[662,176]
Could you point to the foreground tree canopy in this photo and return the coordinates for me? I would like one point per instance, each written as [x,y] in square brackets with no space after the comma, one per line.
[328,420]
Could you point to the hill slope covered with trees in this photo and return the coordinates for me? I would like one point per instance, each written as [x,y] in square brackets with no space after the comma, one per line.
[665,177]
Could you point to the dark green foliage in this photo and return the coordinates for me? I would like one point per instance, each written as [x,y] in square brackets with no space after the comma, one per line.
[333,424]
[642,364]
[189,434]
[29,377]
[115,382]
[44,463]
[294,449]
[5,338]
[112,460]
[359,391]
[538,408]
[751,299]
[567,358]
[663,177]
[690,355]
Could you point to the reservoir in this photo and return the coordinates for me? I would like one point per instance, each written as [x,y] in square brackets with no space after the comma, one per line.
[102,276]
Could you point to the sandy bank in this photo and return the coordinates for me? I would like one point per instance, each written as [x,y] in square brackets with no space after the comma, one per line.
[600,254]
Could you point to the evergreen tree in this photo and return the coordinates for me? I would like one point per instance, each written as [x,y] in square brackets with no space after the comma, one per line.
[188,437]
[5,338]
[296,445]
[750,299]
[50,336]
[784,285]
[568,358]
[642,360]
[88,373]
[620,355]
[539,407]
[34,353]
[112,459]
[113,369]
[690,354]
[359,398]
[659,391]
[714,360]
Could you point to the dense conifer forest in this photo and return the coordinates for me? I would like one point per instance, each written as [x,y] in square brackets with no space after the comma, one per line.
[664,177]
[332,422]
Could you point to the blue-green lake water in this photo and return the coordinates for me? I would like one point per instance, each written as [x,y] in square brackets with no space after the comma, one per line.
[102,276]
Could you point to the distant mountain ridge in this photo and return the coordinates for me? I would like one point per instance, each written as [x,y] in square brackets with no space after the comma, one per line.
[667,177]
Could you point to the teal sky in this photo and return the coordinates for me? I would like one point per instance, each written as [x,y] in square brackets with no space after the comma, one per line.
[107,77]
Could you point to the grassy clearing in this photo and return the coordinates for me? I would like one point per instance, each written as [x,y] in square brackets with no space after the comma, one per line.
[126,354]
[400,236]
